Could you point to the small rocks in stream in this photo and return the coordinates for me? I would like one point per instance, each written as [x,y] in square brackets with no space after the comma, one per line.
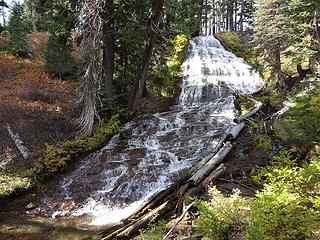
[30,206]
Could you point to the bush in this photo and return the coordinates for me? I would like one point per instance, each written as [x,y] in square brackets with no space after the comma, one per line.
[280,213]
[222,217]
[11,183]
[302,122]
[163,77]
[263,142]
[155,231]
[288,206]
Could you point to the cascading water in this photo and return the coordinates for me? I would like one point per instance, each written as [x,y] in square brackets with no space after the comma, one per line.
[151,152]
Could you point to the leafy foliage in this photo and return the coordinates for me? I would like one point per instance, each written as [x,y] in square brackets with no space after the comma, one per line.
[301,124]
[154,231]
[264,142]
[286,208]
[222,216]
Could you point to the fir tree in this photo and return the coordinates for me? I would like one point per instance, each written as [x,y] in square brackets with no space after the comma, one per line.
[18,36]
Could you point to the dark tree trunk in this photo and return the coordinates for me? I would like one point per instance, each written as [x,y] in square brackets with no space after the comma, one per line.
[108,49]
[139,83]
[230,15]
[235,14]
[206,18]
[241,15]
[315,39]
[277,68]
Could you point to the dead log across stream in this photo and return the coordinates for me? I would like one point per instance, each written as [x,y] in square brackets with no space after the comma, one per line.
[167,200]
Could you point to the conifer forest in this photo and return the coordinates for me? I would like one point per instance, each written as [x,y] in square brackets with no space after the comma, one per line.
[160,119]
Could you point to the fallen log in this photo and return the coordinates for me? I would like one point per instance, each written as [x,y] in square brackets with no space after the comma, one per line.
[234,132]
[254,110]
[209,166]
[18,143]
[212,177]
[278,114]
[144,221]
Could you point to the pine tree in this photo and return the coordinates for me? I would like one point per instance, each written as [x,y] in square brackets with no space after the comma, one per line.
[18,36]
[271,34]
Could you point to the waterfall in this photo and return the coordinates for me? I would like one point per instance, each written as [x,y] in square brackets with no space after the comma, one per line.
[152,151]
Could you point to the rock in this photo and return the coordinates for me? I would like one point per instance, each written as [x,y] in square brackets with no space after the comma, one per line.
[31,50]
[30,206]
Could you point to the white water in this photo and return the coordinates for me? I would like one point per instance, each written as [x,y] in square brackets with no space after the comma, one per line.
[153,151]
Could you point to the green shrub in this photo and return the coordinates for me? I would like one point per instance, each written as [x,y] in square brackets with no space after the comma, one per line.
[155,231]
[221,216]
[302,122]
[163,77]
[282,166]
[279,213]
[11,183]
[288,206]
[263,142]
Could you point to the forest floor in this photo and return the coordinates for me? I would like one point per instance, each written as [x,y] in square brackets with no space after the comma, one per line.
[35,107]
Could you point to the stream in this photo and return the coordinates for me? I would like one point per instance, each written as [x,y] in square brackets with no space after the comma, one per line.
[152,152]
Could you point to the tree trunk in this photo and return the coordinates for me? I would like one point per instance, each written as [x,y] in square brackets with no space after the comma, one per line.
[235,14]
[315,39]
[277,68]
[241,15]
[139,83]
[206,18]
[108,49]
[230,14]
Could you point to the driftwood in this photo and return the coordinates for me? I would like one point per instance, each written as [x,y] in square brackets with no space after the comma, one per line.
[217,173]
[18,142]
[254,110]
[126,232]
[209,166]
[234,132]
[278,114]
[178,221]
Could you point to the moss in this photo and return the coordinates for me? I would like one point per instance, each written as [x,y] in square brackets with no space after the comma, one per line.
[264,142]
[163,78]
[11,183]
[57,158]
[232,42]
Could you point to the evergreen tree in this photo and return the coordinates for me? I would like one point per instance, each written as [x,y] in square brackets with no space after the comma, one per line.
[271,34]
[18,35]
[58,59]
[61,20]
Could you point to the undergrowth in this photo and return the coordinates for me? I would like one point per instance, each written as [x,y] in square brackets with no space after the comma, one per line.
[286,208]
